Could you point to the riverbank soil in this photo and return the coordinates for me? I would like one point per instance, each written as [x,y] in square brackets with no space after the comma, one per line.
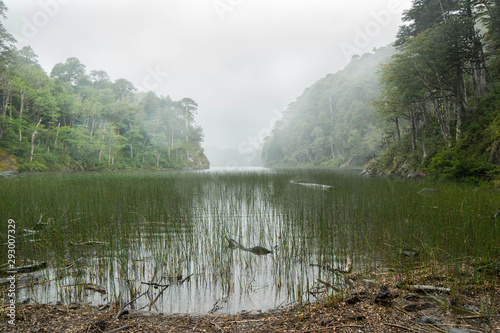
[425,299]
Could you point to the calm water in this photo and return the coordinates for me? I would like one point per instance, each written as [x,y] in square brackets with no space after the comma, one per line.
[121,230]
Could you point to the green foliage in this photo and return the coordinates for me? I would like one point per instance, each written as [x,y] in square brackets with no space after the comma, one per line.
[86,122]
[438,104]
[331,124]
[457,164]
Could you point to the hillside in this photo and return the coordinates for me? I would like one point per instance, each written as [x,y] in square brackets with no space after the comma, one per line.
[429,107]
[73,119]
[331,124]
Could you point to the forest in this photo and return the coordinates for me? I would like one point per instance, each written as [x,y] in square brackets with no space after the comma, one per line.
[429,109]
[74,119]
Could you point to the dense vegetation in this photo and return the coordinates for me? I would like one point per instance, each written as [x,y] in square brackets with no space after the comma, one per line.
[331,123]
[72,119]
[436,112]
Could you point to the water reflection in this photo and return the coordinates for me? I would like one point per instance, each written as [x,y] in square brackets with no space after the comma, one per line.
[190,239]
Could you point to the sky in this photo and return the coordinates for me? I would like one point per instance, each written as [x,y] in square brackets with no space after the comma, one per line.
[242,61]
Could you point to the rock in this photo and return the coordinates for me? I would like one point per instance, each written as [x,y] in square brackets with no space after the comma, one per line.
[409,253]
[383,296]
[8,164]
[9,173]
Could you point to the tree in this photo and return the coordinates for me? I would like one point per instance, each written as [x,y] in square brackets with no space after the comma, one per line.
[123,89]
[72,71]
[189,108]
[6,39]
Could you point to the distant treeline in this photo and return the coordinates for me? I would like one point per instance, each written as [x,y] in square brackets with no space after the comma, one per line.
[72,119]
[433,108]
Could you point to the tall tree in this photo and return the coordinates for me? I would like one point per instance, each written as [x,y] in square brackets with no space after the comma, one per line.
[189,108]
[6,39]
[72,71]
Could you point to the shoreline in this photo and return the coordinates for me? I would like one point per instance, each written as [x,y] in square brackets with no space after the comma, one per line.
[382,301]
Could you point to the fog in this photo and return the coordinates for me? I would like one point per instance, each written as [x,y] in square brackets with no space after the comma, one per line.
[242,61]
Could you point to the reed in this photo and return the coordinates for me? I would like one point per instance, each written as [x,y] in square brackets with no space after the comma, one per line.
[119,229]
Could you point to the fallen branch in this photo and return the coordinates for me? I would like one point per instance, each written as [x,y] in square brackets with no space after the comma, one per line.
[403,328]
[217,326]
[313,185]
[333,327]
[119,329]
[88,243]
[149,284]
[123,311]
[425,288]
[95,287]
[166,286]
[155,285]
[329,285]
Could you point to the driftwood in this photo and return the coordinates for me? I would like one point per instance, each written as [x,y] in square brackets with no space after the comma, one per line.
[258,250]
[123,309]
[88,243]
[95,287]
[313,185]
[424,288]
[119,329]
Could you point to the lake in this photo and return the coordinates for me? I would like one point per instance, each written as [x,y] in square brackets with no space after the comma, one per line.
[183,239]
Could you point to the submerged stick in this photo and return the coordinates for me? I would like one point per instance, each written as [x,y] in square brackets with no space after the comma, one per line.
[166,286]
[258,250]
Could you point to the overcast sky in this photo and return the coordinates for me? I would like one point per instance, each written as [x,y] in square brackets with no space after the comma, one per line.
[242,61]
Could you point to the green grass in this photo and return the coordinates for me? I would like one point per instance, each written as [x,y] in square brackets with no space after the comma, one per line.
[163,226]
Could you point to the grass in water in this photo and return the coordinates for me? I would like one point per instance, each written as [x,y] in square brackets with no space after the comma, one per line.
[117,230]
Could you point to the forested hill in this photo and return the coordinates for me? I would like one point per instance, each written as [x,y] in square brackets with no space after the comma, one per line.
[74,119]
[431,109]
[332,123]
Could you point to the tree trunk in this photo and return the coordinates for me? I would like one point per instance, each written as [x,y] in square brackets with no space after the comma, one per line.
[21,108]
[398,130]
[33,139]
[187,124]
[6,102]
[413,130]
[459,105]
[57,133]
